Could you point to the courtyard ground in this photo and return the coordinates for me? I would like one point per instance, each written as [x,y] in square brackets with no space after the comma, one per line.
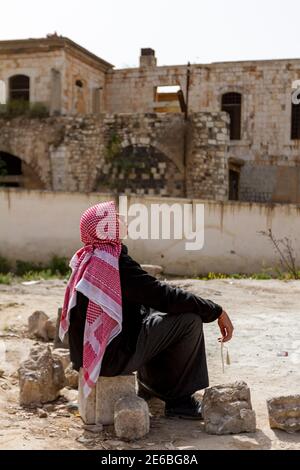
[266,316]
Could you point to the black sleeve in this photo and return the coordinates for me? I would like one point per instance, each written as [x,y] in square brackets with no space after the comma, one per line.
[140,287]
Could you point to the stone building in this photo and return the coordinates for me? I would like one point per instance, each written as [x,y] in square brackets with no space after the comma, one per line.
[215,131]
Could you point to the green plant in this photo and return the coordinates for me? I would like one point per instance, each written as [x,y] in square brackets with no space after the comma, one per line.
[59,265]
[285,251]
[23,267]
[5,266]
[15,108]
[37,275]
[5,278]
[261,276]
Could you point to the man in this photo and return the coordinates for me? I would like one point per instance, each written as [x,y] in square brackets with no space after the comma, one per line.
[144,325]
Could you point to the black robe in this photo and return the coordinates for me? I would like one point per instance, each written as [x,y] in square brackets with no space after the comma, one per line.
[141,292]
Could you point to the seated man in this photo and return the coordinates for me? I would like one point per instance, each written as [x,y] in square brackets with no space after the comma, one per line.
[160,334]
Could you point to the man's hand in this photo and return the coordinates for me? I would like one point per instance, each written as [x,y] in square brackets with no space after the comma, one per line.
[226,327]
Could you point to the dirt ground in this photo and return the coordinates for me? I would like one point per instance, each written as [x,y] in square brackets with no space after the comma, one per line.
[266,315]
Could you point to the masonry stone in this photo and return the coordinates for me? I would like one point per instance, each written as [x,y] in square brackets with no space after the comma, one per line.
[284,413]
[41,377]
[227,409]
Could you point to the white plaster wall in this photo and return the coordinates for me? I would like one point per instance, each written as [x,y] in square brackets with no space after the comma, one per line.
[36,224]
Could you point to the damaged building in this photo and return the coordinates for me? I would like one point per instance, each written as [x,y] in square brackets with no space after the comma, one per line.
[70,121]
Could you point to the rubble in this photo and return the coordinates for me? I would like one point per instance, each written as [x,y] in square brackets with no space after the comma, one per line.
[71,377]
[284,413]
[41,377]
[131,417]
[227,409]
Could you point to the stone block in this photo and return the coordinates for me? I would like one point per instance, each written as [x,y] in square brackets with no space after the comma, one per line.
[98,407]
[284,413]
[41,377]
[109,390]
[87,406]
[227,409]
[131,417]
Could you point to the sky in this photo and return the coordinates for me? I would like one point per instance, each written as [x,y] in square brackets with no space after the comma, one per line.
[198,31]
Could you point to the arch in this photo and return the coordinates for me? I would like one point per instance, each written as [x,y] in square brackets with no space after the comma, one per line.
[140,169]
[232,104]
[19,88]
[16,173]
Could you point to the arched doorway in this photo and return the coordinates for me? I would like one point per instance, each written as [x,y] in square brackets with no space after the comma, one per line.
[15,173]
[138,169]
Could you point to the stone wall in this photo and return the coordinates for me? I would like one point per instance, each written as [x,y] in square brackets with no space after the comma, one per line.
[207,156]
[54,71]
[37,66]
[266,88]
[143,154]
[130,153]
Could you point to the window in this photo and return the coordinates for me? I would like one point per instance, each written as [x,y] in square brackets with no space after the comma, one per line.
[167,99]
[232,104]
[295,123]
[19,88]
[234,180]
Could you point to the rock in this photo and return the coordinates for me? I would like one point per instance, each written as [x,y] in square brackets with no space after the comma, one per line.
[57,341]
[131,417]
[63,355]
[70,394]
[87,406]
[95,428]
[153,269]
[284,413]
[37,325]
[50,327]
[108,391]
[42,413]
[71,377]
[98,407]
[41,377]
[227,409]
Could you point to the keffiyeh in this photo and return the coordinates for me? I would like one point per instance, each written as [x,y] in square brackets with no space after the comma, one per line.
[95,273]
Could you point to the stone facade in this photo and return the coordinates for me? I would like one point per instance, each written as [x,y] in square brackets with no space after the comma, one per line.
[70,81]
[63,76]
[129,153]
[265,156]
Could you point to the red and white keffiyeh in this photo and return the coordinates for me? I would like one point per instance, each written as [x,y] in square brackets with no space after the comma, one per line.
[95,273]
